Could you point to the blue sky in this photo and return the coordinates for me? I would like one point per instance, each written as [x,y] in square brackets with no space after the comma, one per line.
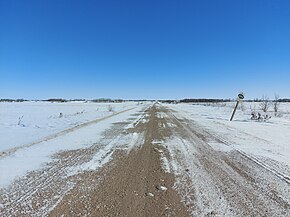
[144,49]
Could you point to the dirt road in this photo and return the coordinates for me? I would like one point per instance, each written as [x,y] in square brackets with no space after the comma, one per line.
[168,167]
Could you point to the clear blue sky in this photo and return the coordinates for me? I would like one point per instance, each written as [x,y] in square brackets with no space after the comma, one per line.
[144,49]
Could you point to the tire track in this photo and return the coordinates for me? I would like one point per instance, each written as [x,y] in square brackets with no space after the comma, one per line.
[131,187]
[245,184]
[279,174]
[40,190]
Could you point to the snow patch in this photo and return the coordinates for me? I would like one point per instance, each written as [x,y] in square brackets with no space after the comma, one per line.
[157,142]
[32,158]
[137,139]
[262,139]
[165,163]
[100,159]
[220,147]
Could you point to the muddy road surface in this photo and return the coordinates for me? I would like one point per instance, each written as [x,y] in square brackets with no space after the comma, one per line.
[152,164]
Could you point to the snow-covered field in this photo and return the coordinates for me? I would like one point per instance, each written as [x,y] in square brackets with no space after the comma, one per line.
[26,122]
[43,131]
[264,139]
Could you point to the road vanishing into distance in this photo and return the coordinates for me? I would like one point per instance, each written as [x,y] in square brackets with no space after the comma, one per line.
[153,163]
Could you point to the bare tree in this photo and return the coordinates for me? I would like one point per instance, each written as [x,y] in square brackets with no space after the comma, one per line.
[265,104]
[276,104]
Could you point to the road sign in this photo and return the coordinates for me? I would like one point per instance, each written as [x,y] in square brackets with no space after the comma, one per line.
[240,98]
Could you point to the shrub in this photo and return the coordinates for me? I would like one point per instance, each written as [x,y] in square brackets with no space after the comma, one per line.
[110,108]
[276,104]
[265,104]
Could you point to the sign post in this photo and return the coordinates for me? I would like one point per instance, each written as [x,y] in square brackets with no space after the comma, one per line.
[239,99]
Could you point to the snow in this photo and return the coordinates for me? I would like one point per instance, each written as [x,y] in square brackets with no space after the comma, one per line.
[42,119]
[182,157]
[33,157]
[270,139]
[103,156]
[195,155]
[150,194]
[267,142]
[220,146]
[165,164]
[142,118]
[163,188]
[136,139]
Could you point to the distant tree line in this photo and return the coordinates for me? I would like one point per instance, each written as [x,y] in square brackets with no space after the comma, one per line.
[199,100]
[108,100]
[63,100]
[13,100]
[283,100]
[261,100]
[94,100]
[205,100]
[55,100]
